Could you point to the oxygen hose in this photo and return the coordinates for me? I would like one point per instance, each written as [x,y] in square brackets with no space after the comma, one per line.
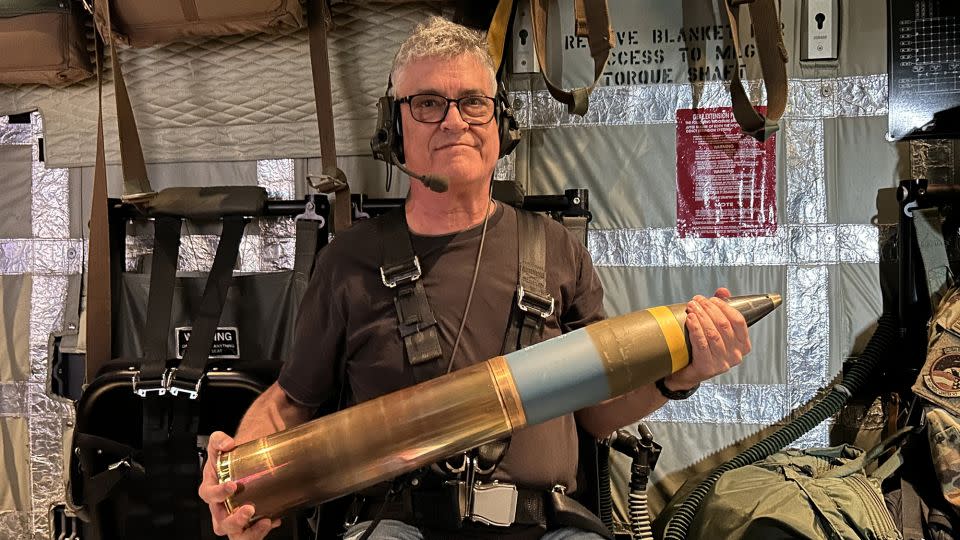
[857,373]
[603,477]
[637,502]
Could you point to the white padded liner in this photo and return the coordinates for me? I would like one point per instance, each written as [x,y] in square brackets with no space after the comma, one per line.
[235,97]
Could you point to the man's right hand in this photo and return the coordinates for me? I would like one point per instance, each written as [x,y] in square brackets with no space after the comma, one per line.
[236,525]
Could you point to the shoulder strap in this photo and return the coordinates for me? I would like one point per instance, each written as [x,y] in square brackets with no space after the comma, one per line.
[533,303]
[187,376]
[400,270]
[163,271]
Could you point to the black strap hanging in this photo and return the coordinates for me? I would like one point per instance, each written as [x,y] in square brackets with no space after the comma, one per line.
[187,376]
[401,271]
[163,271]
[534,304]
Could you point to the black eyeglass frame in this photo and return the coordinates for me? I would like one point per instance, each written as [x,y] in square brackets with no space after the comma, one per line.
[409,100]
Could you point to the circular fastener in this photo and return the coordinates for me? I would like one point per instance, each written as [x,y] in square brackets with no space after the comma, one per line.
[576,200]
[825,90]
[71,326]
[71,253]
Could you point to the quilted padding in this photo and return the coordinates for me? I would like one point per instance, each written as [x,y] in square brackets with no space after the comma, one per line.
[235,97]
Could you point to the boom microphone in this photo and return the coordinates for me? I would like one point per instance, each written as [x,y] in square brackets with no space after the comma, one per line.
[438,184]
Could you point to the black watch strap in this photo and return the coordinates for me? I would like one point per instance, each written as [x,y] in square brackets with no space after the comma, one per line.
[671,394]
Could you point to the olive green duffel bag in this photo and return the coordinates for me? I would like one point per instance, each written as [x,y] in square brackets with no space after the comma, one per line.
[819,493]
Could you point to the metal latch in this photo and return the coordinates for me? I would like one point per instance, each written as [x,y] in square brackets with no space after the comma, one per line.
[534,303]
[494,504]
[192,390]
[145,387]
[408,274]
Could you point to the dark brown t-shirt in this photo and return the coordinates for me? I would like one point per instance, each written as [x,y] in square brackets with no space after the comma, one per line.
[348,313]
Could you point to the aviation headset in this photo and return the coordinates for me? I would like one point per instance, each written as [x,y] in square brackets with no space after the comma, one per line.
[387,141]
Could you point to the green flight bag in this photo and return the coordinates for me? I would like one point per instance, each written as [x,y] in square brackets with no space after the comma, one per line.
[818,493]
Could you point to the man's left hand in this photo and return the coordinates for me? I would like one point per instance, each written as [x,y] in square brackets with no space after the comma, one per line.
[718,339]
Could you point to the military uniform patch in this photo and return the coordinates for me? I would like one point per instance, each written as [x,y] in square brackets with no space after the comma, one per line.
[942,376]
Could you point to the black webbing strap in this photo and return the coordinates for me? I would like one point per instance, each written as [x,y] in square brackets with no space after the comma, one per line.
[534,304]
[401,271]
[305,251]
[171,465]
[99,486]
[163,273]
[186,377]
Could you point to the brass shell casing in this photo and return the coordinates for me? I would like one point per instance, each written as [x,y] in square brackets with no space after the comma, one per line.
[385,437]
[375,440]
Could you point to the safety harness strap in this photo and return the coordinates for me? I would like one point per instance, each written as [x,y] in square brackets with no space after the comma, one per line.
[533,303]
[187,376]
[163,271]
[401,271]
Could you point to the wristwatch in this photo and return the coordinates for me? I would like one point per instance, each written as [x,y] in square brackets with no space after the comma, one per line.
[674,394]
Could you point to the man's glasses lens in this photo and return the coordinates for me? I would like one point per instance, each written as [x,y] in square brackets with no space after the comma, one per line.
[432,109]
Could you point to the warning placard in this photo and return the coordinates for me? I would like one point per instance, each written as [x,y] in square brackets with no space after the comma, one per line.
[726,181]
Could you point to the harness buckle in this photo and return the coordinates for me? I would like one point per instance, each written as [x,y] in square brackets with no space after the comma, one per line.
[175,387]
[531,302]
[143,388]
[403,274]
[494,504]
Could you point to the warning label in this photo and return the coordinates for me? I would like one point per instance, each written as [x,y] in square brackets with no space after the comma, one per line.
[726,181]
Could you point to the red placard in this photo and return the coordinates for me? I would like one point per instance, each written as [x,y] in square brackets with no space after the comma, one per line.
[726,181]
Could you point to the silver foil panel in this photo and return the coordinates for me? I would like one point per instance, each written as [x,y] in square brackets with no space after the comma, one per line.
[258,253]
[13,401]
[864,95]
[46,415]
[657,103]
[16,525]
[806,182]
[793,244]
[506,168]
[47,418]
[726,404]
[50,213]
[15,133]
[817,437]
[45,257]
[277,177]
[860,243]
[932,159]
[808,328]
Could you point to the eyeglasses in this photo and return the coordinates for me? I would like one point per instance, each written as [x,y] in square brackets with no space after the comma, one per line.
[432,109]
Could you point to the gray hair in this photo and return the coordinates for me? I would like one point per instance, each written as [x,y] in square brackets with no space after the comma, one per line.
[440,38]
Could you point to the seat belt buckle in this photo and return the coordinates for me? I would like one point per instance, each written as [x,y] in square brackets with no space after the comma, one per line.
[403,274]
[530,302]
[494,504]
[145,387]
[177,386]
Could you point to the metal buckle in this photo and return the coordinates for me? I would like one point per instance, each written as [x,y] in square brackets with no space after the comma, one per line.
[494,504]
[534,303]
[143,388]
[192,390]
[125,462]
[404,275]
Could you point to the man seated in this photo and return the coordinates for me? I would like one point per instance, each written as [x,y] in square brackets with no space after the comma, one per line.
[445,83]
